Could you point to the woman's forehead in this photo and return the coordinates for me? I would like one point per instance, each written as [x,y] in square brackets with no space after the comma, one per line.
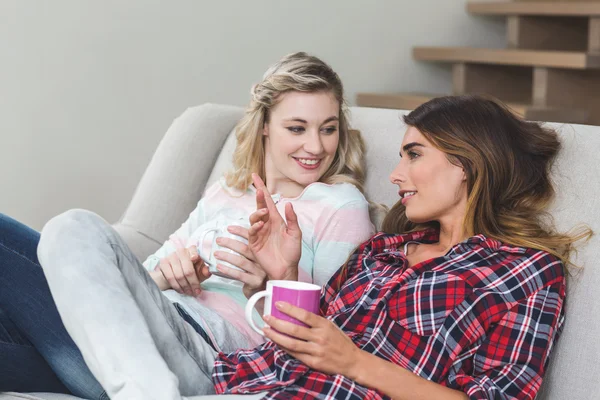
[316,105]
[414,135]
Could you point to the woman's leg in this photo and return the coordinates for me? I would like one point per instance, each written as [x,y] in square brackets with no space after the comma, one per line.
[22,368]
[130,335]
[29,310]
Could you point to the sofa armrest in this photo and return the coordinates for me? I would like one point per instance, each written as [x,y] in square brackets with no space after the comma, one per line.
[176,176]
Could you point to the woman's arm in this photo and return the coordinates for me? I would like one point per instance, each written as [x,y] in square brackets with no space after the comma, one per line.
[396,382]
[178,238]
[324,347]
[508,364]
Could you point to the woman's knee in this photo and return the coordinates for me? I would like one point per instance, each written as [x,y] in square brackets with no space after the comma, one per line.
[71,226]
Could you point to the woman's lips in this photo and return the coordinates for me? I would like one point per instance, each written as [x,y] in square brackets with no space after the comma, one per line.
[406,198]
[307,166]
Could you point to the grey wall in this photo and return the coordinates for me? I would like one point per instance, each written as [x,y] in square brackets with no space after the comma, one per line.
[87,88]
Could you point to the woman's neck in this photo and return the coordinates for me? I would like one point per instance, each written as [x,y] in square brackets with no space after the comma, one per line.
[452,232]
[284,187]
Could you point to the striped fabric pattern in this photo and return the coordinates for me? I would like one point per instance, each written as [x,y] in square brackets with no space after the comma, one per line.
[334,220]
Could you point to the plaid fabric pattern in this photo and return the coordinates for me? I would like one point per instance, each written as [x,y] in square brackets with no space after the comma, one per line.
[481,319]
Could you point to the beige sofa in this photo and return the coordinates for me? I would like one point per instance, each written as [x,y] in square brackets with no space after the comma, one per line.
[197,148]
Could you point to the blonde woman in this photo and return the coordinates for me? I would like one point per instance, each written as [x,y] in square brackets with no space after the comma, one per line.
[295,136]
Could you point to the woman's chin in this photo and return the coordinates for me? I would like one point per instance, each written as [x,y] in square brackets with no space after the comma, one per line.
[417,219]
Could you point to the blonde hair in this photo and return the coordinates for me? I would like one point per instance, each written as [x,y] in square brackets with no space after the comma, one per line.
[507,161]
[303,73]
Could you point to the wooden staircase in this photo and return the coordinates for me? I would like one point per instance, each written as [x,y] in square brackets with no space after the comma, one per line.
[550,70]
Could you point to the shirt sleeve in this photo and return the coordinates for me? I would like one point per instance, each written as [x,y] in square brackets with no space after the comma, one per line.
[178,239]
[345,229]
[511,361]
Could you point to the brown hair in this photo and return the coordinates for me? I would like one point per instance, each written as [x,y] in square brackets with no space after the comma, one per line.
[303,73]
[507,162]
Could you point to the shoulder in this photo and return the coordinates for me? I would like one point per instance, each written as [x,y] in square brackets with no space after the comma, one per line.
[520,271]
[543,268]
[336,195]
[219,192]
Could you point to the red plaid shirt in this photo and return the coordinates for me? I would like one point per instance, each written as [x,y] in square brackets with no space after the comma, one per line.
[482,319]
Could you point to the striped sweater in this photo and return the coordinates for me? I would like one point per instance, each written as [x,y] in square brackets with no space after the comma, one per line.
[334,220]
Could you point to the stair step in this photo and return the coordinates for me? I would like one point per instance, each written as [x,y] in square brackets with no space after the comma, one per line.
[555,59]
[562,8]
[410,101]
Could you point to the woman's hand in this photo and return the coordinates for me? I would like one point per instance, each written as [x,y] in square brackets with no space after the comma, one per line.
[182,271]
[251,275]
[276,245]
[322,345]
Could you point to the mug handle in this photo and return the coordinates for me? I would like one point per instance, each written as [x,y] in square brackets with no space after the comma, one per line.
[250,306]
[201,243]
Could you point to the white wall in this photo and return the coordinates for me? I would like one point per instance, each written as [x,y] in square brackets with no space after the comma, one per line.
[87,88]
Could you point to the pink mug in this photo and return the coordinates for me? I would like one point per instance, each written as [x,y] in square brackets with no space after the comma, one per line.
[299,294]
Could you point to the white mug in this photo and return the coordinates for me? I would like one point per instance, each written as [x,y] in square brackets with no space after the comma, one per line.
[220,231]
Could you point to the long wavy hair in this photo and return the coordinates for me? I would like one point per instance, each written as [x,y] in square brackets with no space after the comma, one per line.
[507,162]
[303,73]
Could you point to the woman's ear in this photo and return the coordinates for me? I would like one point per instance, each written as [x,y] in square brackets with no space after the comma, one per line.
[265,129]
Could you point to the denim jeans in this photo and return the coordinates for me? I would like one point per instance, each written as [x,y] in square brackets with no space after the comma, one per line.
[131,336]
[36,352]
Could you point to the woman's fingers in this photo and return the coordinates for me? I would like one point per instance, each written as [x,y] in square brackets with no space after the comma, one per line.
[260,199]
[236,260]
[249,274]
[202,270]
[287,342]
[238,275]
[264,194]
[178,273]
[193,254]
[167,271]
[298,313]
[289,328]
[237,246]
[292,221]
[184,270]
[255,228]
[261,214]
[189,272]
[238,231]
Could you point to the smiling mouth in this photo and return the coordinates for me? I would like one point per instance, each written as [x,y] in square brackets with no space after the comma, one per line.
[308,163]
[406,195]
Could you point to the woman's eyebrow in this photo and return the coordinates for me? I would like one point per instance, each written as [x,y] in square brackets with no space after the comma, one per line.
[330,119]
[301,120]
[409,146]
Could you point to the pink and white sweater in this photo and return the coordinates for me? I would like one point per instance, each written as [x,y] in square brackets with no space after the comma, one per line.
[334,220]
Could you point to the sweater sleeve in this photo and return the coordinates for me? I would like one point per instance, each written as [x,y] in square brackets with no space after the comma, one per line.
[179,238]
[345,229]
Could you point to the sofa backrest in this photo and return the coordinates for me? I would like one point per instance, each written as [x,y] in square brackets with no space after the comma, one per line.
[574,371]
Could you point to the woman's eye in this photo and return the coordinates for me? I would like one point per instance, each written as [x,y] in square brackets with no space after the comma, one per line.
[296,129]
[330,130]
[412,155]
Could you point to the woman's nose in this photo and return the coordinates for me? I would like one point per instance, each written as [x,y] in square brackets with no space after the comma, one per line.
[397,176]
[313,143]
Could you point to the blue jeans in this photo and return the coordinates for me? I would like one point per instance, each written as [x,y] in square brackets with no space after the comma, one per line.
[36,352]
